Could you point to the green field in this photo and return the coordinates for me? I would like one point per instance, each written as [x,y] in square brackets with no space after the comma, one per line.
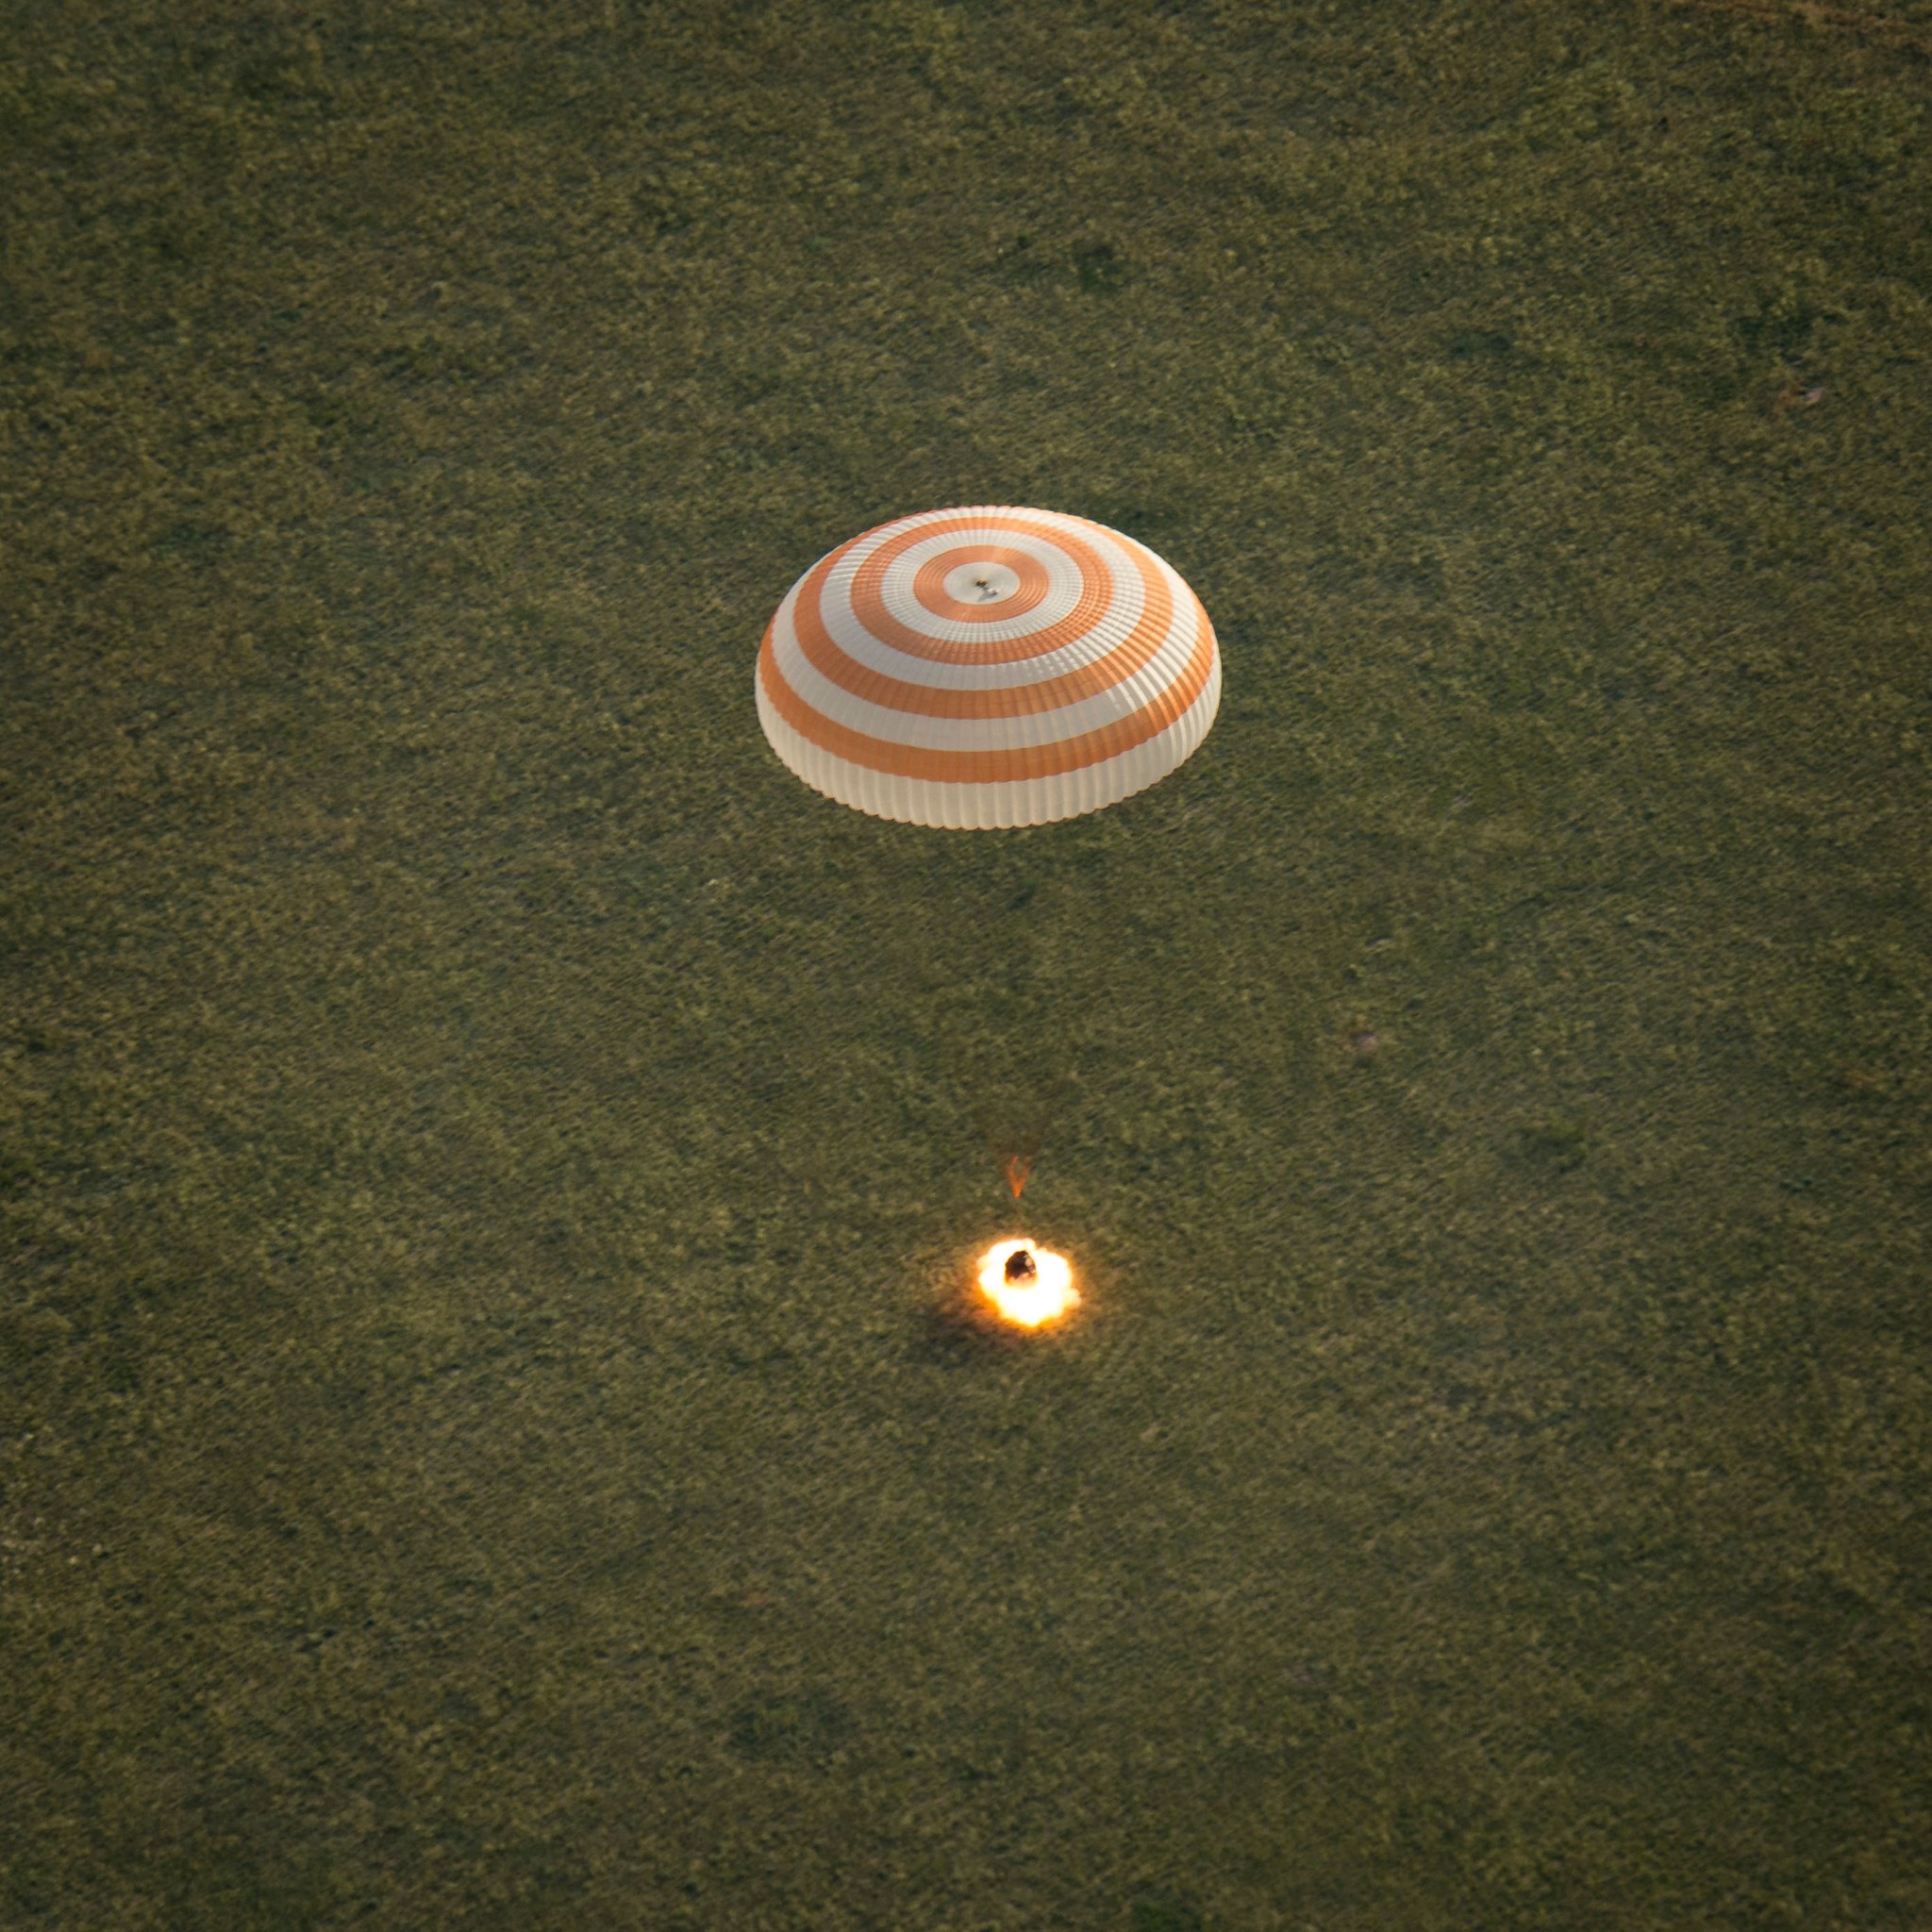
[489,1162]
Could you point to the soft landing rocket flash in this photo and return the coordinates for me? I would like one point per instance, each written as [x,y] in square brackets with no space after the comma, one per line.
[1026,1284]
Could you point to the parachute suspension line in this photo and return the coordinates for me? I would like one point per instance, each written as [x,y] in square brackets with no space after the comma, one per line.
[1019,1165]
[915,971]
[959,1063]
[1015,1155]
[1013,1137]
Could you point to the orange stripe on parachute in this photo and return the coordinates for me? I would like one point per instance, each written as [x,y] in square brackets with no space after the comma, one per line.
[1097,593]
[929,584]
[994,767]
[825,656]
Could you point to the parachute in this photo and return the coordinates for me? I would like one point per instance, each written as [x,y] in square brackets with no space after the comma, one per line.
[986,667]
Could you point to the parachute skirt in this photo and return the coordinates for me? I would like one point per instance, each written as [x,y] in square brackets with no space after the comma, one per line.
[992,805]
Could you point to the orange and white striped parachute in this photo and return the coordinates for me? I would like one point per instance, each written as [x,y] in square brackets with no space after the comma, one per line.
[986,667]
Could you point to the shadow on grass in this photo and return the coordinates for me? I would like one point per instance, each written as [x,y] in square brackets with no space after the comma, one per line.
[961,1332]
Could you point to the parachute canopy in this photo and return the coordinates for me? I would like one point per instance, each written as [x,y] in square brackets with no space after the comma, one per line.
[986,667]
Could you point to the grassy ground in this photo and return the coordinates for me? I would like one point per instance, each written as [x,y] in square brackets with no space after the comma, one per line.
[485,1155]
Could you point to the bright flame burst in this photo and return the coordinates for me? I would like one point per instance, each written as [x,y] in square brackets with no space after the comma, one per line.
[1027,1304]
